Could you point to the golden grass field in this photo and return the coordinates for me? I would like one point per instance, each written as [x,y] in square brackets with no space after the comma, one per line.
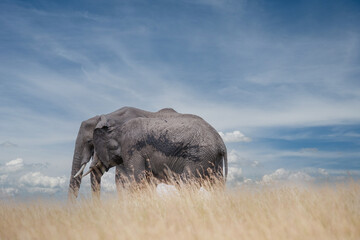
[326,212]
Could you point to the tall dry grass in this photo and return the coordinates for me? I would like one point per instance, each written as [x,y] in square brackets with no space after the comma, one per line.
[328,212]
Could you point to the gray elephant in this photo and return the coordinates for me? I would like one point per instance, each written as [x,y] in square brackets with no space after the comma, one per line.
[84,146]
[178,145]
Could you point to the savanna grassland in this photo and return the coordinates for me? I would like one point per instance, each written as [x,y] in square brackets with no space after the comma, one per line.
[318,212]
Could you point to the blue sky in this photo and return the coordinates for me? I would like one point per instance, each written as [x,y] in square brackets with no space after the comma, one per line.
[284,74]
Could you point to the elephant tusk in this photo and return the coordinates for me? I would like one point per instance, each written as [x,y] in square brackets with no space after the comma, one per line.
[103,169]
[90,170]
[80,171]
[98,166]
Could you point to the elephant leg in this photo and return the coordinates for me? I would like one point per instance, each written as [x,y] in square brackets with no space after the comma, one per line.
[186,175]
[136,168]
[95,178]
[122,178]
[196,173]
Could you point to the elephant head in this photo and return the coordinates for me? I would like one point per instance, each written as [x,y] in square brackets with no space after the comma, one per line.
[108,149]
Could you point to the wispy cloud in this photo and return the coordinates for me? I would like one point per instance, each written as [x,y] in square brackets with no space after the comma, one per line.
[121,75]
[7,144]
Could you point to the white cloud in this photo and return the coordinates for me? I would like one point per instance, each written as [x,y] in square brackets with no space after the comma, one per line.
[37,179]
[255,163]
[285,176]
[282,176]
[235,136]
[108,182]
[233,156]
[3,179]
[300,176]
[18,178]
[42,190]
[15,162]
[234,174]
[164,190]
[8,192]
[239,158]
[323,172]
[12,166]
[237,178]
[248,181]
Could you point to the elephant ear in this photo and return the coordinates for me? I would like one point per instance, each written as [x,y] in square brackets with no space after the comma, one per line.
[101,140]
[103,122]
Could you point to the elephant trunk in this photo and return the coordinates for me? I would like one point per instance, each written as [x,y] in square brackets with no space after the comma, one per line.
[82,154]
[74,181]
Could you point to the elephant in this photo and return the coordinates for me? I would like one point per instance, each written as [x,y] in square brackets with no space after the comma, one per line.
[84,146]
[176,146]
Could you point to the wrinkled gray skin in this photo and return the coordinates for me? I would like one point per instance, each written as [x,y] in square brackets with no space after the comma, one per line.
[178,145]
[84,147]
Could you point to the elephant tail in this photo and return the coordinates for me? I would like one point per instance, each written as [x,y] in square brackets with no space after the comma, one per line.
[226,164]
